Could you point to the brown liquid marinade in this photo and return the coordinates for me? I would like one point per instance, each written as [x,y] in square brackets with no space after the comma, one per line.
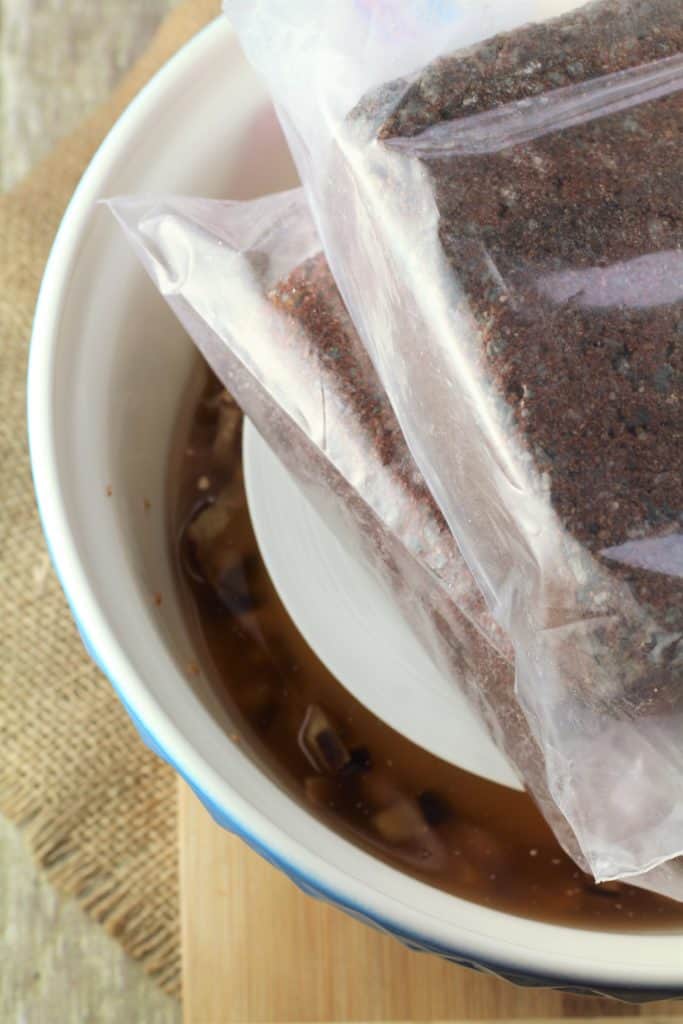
[442,825]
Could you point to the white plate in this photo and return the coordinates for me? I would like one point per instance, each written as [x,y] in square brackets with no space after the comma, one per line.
[354,627]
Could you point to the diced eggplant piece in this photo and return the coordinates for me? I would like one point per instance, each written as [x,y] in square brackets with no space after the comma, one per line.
[228,432]
[258,700]
[360,761]
[320,791]
[400,823]
[435,808]
[321,743]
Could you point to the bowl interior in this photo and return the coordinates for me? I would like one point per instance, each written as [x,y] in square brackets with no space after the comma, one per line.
[109,371]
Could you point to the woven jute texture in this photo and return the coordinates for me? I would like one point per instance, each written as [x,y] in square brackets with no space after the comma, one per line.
[98,809]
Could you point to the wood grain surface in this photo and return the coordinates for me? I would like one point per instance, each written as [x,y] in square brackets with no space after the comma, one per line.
[257,950]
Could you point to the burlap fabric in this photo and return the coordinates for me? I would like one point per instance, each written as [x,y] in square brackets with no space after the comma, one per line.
[98,809]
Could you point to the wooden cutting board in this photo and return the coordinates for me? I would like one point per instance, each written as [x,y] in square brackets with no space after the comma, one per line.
[257,950]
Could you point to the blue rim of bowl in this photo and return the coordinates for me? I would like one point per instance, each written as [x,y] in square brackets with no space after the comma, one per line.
[225,819]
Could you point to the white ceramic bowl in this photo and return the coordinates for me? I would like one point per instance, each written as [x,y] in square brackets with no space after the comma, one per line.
[109,366]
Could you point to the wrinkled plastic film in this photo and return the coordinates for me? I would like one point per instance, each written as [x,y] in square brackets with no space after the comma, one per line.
[274,329]
[504,223]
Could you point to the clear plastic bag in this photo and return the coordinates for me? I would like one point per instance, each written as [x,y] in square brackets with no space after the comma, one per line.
[498,189]
[250,285]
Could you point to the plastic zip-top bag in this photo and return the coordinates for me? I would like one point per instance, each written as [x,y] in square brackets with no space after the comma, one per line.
[251,287]
[498,189]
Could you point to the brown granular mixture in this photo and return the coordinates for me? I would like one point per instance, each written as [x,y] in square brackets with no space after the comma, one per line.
[310,296]
[373,440]
[592,372]
[596,40]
